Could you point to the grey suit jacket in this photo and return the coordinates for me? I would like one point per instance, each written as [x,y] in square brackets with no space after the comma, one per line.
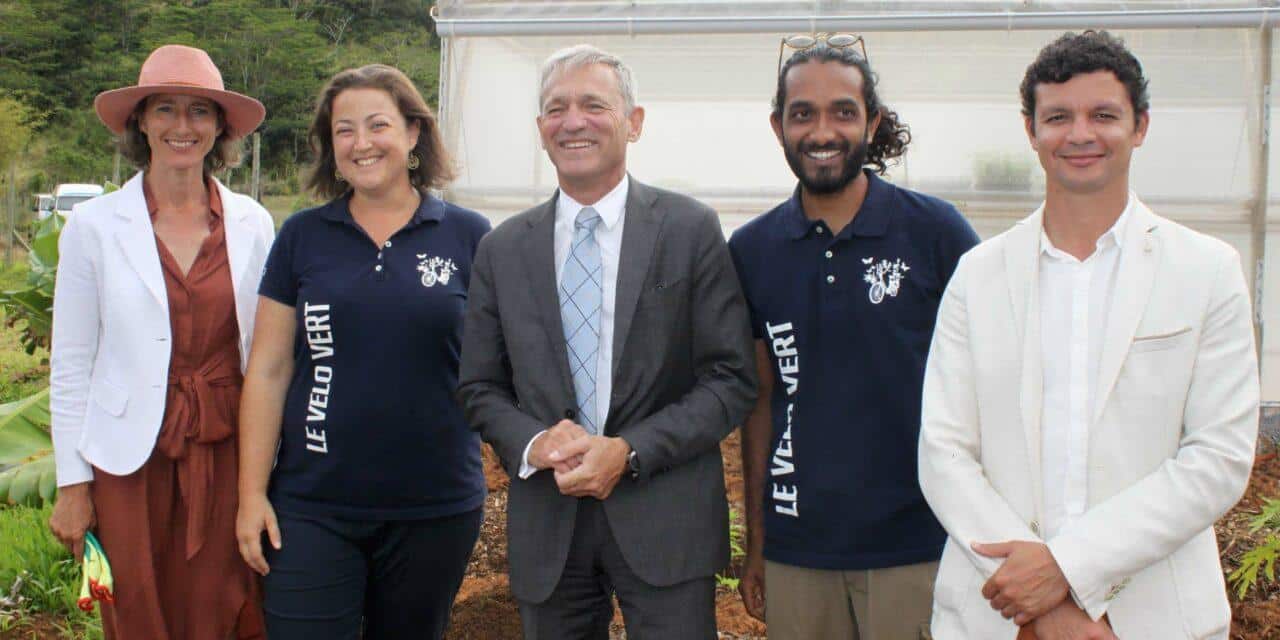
[683,377]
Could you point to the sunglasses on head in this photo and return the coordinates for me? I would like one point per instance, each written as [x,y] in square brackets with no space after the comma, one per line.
[802,41]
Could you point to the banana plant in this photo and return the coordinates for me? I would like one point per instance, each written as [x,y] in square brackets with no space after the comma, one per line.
[26,448]
[33,304]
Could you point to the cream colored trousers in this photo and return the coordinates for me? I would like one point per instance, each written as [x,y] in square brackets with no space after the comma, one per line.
[894,603]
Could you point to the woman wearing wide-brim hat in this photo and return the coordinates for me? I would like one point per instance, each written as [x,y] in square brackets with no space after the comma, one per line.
[153,312]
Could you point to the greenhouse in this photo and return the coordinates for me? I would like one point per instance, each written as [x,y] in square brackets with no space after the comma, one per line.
[706,73]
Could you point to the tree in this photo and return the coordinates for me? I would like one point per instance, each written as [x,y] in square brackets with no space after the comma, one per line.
[17,125]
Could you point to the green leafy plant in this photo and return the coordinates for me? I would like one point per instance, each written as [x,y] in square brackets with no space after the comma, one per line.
[31,306]
[26,448]
[1262,558]
[26,464]
[736,551]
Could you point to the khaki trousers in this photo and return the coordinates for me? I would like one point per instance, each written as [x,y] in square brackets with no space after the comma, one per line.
[894,603]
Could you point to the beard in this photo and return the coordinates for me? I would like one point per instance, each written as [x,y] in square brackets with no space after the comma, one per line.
[826,180]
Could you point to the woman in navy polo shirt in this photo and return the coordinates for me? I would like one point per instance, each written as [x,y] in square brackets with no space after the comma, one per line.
[375,499]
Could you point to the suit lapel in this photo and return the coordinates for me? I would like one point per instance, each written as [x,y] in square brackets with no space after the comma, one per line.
[641,224]
[540,257]
[1022,266]
[137,239]
[239,234]
[1129,298]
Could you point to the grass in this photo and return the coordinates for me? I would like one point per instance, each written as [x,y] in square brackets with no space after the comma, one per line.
[51,579]
[282,207]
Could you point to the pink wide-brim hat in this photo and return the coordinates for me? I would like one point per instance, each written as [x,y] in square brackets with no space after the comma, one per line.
[174,68]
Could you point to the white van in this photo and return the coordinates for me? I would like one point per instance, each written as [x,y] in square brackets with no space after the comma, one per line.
[44,205]
[69,195]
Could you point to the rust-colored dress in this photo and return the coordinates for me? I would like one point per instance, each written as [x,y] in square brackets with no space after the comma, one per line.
[169,527]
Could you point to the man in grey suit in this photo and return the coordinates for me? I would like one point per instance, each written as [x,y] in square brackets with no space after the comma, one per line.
[607,352]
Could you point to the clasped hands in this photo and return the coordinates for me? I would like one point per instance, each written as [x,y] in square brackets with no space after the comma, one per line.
[584,465]
[1030,589]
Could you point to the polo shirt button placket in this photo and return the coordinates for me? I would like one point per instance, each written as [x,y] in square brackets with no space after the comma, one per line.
[378,268]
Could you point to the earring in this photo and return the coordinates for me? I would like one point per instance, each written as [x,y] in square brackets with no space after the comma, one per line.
[338,176]
[414,163]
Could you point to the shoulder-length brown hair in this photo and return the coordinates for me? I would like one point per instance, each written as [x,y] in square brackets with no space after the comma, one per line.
[132,143]
[435,168]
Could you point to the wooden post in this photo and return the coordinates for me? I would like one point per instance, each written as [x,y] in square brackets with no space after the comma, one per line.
[115,170]
[13,213]
[1261,192]
[255,190]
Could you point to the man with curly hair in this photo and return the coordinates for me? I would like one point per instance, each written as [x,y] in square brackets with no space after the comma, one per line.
[843,282]
[1091,397]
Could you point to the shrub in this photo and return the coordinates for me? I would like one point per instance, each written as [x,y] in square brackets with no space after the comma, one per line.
[1262,558]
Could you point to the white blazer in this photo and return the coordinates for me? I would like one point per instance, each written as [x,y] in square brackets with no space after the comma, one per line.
[111,338]
[1170,444]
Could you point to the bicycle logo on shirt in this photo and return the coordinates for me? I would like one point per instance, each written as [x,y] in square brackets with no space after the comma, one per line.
[884,277]
[435,269]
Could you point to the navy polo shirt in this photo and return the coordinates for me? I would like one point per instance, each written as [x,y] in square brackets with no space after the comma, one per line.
[371,429]
[847,320]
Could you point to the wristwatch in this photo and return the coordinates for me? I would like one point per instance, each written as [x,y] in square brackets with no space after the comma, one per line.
[633,463]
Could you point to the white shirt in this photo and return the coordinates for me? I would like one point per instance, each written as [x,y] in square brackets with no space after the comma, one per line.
[1075,302]
[608,234]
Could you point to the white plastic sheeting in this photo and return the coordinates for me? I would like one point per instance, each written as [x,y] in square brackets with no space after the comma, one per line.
[707,98]
[637,17]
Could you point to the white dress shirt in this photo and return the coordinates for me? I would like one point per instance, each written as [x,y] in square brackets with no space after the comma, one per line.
[608,234]
[1075,302]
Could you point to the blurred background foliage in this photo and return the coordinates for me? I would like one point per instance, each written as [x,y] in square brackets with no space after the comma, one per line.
[56,55]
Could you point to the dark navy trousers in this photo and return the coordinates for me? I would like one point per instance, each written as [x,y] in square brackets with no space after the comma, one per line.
[335,579]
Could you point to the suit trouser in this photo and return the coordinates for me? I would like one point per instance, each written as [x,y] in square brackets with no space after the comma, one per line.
[894,603]
[581,606]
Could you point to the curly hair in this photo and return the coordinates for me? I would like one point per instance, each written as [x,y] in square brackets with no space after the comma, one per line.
[891,137]
[1073,54]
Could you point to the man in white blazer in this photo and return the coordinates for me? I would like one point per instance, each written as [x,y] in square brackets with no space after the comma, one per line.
[1091,395]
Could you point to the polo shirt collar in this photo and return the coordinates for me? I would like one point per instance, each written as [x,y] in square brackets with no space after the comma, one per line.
[610,207]
[872,219]
[430,209]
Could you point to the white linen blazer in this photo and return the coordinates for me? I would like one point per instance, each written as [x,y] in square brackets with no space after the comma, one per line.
[1170,443]
[109,364]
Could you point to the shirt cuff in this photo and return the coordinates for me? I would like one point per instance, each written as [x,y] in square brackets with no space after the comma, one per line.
[527,469]
[1089,601]
[70,467]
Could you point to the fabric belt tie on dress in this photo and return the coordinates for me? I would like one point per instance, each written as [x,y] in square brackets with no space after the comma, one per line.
[197,424]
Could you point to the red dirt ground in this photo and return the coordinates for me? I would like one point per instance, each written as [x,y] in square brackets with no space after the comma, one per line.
[1257,617]
[485,610]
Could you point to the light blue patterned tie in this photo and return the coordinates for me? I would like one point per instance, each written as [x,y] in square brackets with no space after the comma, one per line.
[581,294]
